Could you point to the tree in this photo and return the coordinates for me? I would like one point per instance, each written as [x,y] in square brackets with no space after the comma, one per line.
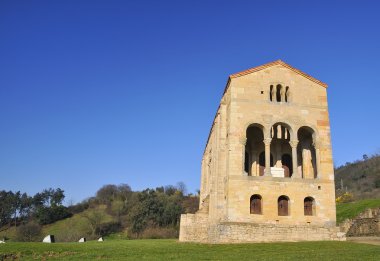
[29,232]
[107,193]
[181,187]
[95,219]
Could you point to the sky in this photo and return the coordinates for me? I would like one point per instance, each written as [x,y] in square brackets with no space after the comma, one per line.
[111,92]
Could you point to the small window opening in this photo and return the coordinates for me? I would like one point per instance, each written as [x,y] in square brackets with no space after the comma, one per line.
[319,187]
[262,92]
[271,93]
[278,93]
[287,94]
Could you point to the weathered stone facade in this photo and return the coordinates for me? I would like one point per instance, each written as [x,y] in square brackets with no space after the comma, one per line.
[267,169]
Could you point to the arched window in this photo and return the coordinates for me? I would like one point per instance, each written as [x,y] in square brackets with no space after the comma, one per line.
[255,204]
[287,94]
[271,93]
[278,92]
[283,206]
[308,206]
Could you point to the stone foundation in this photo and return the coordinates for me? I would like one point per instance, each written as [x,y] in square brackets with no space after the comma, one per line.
[195,228]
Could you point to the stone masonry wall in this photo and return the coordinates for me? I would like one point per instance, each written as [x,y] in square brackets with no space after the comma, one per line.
[195,228]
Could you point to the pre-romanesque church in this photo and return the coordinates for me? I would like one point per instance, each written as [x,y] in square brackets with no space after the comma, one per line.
[267,168]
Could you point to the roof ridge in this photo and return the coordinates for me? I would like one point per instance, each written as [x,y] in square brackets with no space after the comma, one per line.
[277,62]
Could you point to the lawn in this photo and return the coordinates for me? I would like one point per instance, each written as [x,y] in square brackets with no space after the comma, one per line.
[173,250]
[352,209]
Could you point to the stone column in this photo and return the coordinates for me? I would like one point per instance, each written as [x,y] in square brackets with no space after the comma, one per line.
[317,158]
[293,144]
[267,142]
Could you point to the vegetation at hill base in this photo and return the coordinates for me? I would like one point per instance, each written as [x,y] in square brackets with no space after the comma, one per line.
[165,249]
[151,213]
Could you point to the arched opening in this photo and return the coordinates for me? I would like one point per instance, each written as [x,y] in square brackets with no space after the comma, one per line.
[283,206]
[271,93]
[278,92]
[262,163]
[254,145]
[256,204]
[287,165]
[309,206]
[306,153]
[281,150]
[287,94]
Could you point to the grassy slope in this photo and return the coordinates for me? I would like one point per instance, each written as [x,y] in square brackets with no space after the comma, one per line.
[77,226]
[352,209]
[172,250]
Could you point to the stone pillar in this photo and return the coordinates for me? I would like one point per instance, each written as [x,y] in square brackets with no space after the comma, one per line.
[267,142]
[317,158]
[293,144]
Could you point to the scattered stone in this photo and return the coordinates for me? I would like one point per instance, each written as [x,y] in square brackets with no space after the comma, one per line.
[2,242]
[100,239]
[49,239]
[82,240]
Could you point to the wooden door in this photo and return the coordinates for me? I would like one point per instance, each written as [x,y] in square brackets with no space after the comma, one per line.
[256,204]
[308,207]
[283,206]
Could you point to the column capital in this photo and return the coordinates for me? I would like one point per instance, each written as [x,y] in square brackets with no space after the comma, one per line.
[267,141]
[293,143]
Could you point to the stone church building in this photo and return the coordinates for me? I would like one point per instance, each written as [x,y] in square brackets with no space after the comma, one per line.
[267,169]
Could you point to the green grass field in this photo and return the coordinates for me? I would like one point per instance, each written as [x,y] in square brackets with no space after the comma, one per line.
[172,250]
[352,209]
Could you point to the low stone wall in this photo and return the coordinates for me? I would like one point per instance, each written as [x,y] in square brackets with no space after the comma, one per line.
[248,232]
[365,224]
[195,228]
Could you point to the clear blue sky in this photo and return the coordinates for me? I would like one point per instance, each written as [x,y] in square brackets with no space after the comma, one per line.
[99,92]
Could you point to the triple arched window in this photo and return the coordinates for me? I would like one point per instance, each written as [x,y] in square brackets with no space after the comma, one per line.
[279,93]
[283,205]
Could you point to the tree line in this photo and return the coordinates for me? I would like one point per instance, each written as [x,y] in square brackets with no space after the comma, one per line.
[150,213]
[44,207]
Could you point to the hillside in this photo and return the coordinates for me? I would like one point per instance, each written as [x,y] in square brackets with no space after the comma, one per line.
[360,178]
[353,209]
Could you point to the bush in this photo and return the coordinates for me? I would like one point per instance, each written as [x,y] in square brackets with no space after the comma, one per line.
[105,229]
[346,197]
[29,232]
[159,233]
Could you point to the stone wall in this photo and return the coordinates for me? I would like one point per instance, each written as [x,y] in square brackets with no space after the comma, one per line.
[365,224]
[195,228]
